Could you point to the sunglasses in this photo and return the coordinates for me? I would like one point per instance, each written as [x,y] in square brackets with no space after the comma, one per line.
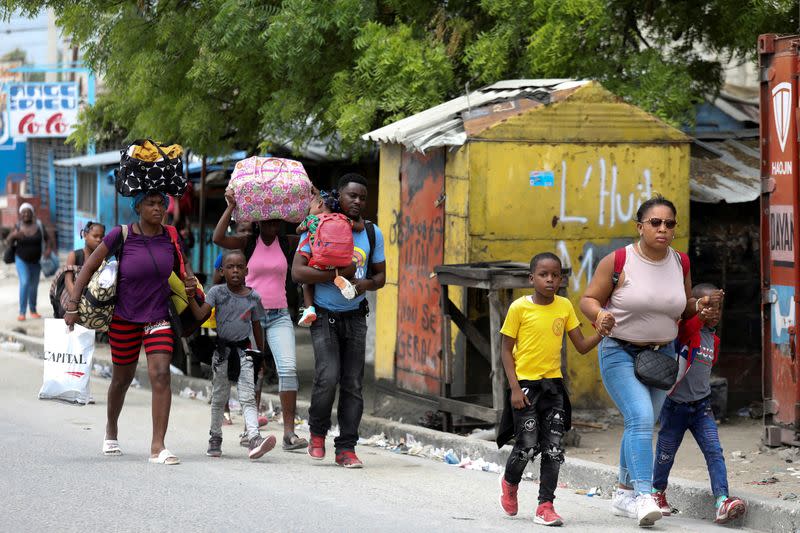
[670,223]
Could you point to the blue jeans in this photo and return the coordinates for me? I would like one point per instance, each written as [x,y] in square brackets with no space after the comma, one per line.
[28,284]
[698,418]
[339,350]
[279,335]
[639,405]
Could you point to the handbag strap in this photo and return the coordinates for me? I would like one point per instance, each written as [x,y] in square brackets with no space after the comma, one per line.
[158,147]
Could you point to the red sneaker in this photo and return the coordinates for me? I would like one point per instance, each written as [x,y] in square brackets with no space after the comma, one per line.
[316,448]
[731,509]
[546,515]
[508,496]
[661,500]
[348,459]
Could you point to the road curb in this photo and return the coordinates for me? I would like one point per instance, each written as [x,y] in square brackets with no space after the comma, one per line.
[692,498]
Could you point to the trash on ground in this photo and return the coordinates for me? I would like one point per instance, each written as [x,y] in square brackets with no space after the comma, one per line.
[789,496]
[594,491]
[187,392]
[483,434]
[738,454]
[175,371]
[789,455]
[766,481]
[102,371]
[12,346]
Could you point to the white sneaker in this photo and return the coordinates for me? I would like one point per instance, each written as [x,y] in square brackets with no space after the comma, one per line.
[623,504]
[647,510]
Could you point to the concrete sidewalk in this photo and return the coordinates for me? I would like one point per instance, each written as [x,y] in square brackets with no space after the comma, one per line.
[692,497]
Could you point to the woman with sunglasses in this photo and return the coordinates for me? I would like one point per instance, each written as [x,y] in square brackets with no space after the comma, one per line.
[640,310]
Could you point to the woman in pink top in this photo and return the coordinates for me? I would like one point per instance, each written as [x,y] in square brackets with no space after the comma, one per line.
[640,312]
[269,256]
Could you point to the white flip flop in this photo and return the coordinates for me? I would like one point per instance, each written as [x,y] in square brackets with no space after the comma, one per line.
[165,458]
[111,447]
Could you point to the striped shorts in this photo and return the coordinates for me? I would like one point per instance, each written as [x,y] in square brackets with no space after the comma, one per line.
[126,339]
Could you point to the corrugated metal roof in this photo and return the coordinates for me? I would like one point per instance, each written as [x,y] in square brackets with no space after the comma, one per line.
[96,160]
[442,125]
[725,171]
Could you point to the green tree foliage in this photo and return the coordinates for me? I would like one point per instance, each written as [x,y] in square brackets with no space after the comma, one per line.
[218,75]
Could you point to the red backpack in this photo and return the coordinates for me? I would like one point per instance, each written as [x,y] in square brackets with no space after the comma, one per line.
[333,242]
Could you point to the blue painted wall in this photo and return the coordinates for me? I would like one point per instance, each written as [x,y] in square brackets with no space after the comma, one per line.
[711,118]
[106,197]
[12,161]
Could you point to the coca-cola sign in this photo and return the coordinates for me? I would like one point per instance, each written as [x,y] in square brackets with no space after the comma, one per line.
[42,109]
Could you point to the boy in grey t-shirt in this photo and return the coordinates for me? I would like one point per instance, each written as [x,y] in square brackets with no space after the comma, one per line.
[688,407]
[238,312]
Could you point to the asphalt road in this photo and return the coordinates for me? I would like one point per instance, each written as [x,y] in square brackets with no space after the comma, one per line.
[54,478]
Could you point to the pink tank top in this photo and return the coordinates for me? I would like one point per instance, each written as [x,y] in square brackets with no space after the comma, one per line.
[266,273]
[649,299]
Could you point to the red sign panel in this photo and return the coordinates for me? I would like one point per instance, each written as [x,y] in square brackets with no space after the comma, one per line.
[418,231]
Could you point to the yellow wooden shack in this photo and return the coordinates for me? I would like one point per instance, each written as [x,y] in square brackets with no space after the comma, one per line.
[502,173]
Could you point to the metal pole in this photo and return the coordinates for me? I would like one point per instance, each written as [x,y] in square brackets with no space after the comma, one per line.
[202,213]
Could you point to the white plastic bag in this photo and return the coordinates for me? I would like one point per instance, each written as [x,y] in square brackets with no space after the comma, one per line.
[67,362]
[108,275]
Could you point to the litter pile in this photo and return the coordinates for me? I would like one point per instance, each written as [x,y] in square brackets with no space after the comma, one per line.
[410,446]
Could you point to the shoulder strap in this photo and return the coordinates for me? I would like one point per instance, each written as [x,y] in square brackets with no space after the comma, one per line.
[42,232]
[370,227]
[685,266]
[80,257]
[116,250]
[172,231]
[619,263]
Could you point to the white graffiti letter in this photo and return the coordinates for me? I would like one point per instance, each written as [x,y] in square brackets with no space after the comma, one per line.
[563,213]
[624,216]
[585,266]
[603,193]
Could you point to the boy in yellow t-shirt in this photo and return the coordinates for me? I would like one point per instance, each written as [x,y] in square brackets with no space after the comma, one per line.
[532,337]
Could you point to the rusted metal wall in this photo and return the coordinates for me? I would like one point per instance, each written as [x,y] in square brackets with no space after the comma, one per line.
[779,241]
[418,231]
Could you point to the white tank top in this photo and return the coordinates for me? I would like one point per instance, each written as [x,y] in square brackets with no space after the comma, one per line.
[649,300]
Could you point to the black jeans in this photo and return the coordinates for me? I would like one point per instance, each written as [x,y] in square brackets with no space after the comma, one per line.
[539,428]
[339,349]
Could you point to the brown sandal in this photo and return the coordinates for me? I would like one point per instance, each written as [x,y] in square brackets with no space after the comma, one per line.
[293,442]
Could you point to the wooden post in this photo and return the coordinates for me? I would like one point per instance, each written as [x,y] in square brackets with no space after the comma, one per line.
[202,214]
[498,373]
